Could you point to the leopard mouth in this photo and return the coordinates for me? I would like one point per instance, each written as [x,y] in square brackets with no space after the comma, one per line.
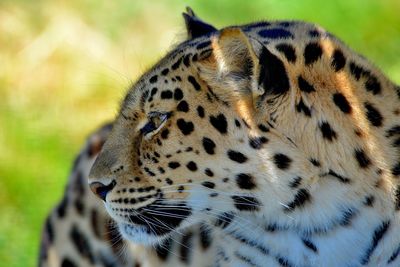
[154,222]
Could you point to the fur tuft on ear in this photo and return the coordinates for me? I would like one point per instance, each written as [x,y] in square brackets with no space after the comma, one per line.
[244,66]
[195,27]
[233,65]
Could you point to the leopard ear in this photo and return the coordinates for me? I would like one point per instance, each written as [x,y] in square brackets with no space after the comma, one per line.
[243,65]
[195,27]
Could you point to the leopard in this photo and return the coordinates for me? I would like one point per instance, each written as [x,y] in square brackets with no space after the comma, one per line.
[265,144]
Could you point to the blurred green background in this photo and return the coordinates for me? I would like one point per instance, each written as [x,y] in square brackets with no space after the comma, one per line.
[64,66]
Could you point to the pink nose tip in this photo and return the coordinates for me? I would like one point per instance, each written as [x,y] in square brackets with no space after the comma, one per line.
[101,190]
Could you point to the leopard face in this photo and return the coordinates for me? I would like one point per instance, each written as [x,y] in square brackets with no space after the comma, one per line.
[184,149]
[240,123]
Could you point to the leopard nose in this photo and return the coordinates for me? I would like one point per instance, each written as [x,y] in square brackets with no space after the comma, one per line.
[101,190]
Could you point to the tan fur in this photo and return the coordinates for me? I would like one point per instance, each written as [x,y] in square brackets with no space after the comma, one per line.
[323,176]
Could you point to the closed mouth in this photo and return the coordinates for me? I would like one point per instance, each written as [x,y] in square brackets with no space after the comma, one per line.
[159,218]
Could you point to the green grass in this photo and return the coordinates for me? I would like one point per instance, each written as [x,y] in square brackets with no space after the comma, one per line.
[66,64]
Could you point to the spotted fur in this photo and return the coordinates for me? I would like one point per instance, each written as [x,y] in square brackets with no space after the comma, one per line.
[267,144]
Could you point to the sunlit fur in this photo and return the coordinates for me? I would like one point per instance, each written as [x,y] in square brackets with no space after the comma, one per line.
[300,176]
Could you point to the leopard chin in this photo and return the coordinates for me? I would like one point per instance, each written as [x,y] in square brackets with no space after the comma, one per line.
[140,234]
[152,224]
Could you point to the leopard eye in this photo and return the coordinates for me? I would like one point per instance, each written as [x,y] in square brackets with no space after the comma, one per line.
[155,121]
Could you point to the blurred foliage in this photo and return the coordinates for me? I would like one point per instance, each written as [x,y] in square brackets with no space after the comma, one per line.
[64,66]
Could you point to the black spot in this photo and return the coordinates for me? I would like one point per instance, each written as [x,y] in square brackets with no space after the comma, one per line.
[339,177]
[396,169]
[186,60]
[342,103]
[302,108]
[163,249]
[203,44]
[372,85]
[153,91]
[153,79]
[181,188]
[296,182]
[208,184]
[362,159]
[356,70]
[209,145]
[300,199]
[245,181]
[147,170]
[178,94]
[314,33]
[224,219]
[186,247]
[49,230]
[237,123]
[327,131]
[273,76]
[191,166]
[205,236]
[195,84]
[263,128]
[395,130]
[373,115]
[167,94]
[164,134]
[377,237]
[288,51]
[208,172]
[200,111]
[81,243]
[62,207]
[79,206]
[183,106]
[369,200]
[165,71]
[169,181]
[312,53]
[338,60]
[174,164]
[310,245]
[282,161]
[347,216]
[277,33]
[185,127]
[257,142]
[394,255]
[68,263]
[219,122]
[236,156]
[315,162]
[304,85]
[176,64]
[246,203]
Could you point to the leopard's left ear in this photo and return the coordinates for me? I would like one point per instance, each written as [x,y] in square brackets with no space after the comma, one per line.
[242,66]
[195,27]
